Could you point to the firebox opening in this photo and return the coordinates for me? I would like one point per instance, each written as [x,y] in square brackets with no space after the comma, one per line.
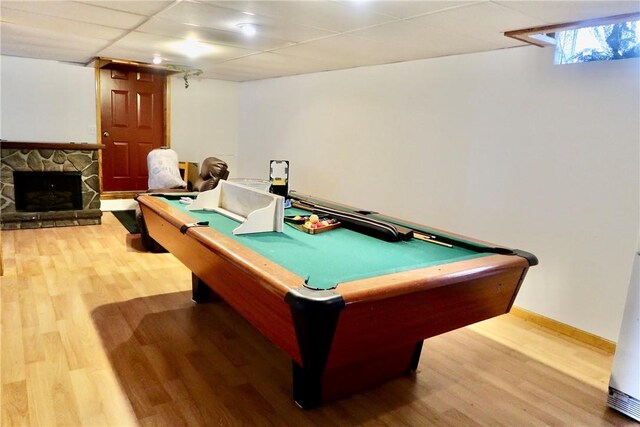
[47,191]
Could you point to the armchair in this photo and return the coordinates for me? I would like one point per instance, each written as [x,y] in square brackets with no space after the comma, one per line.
[212,171]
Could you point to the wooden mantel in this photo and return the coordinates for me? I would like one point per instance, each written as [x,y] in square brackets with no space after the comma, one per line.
[51,145]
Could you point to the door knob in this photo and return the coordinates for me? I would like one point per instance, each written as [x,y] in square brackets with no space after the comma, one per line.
[105,134]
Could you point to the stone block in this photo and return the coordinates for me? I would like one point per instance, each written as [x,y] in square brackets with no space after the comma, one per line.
[34,161]
[79,160]
[6,174]
[93,182]
[59,157]
[29,224]
[46,153]
[82,221]
[16,161]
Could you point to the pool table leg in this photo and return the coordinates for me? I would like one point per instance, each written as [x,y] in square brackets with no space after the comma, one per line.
[415,358]
[200,292]
[315,320]
[307,386]
[314,338]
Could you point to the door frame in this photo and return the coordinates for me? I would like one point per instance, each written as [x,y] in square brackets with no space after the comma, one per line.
[101,63]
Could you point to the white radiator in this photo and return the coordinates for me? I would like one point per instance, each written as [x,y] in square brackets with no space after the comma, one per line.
[624,385]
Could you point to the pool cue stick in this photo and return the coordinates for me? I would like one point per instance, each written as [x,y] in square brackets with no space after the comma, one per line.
[429,239]
[420,235]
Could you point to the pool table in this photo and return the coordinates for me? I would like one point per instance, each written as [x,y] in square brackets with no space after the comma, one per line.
[350,310]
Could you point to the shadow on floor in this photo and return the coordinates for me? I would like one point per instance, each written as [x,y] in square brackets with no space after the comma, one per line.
[184,364]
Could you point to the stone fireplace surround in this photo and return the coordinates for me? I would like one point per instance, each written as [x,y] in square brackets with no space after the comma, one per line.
[49,157]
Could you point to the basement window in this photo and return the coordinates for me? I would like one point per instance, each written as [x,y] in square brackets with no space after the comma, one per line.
[602,39]
[598,43]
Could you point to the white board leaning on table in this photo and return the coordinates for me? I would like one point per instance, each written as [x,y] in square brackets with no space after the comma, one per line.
[257,211]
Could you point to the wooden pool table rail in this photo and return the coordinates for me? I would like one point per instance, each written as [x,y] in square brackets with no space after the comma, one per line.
[279,279]
[241,277]
[446,235]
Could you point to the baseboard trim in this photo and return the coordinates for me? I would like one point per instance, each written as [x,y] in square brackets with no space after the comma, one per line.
[564,329]
[110,195]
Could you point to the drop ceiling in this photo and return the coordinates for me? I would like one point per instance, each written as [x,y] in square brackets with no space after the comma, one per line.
[293,37]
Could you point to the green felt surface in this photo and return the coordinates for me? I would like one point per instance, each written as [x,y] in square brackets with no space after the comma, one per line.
[336,256]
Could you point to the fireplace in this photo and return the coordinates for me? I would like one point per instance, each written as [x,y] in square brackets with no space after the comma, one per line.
[49,184]
[47,191]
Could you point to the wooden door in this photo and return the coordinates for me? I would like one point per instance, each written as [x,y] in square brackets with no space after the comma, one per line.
[132,124]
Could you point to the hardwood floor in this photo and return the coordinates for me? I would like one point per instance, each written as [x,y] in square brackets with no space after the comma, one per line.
[95,332]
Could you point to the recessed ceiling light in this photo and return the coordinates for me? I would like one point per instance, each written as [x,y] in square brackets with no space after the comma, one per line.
[157,59]
[248,29]
[249,13]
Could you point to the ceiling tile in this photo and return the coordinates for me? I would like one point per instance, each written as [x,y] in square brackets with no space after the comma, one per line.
[77,12]
[59,25]
[145,8]
[168,47]
[485,21]
[268,37]
[558,12]
[274,64]
[406,38]
[164,27]
[140,55]
[205,15]
[19,41]
[327,15]
[230,77]
[405,9]
[244,72]
[342,51]
[220,18]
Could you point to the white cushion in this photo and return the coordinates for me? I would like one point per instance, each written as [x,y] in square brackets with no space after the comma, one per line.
[164,172]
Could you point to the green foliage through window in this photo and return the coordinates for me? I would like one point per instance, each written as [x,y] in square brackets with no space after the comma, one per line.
[600,43]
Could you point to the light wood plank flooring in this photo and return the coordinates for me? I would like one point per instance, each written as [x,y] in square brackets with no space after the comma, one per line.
[96,332]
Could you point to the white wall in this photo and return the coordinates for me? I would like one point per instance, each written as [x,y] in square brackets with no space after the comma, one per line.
[502,146]
[204,120]
[47,101]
